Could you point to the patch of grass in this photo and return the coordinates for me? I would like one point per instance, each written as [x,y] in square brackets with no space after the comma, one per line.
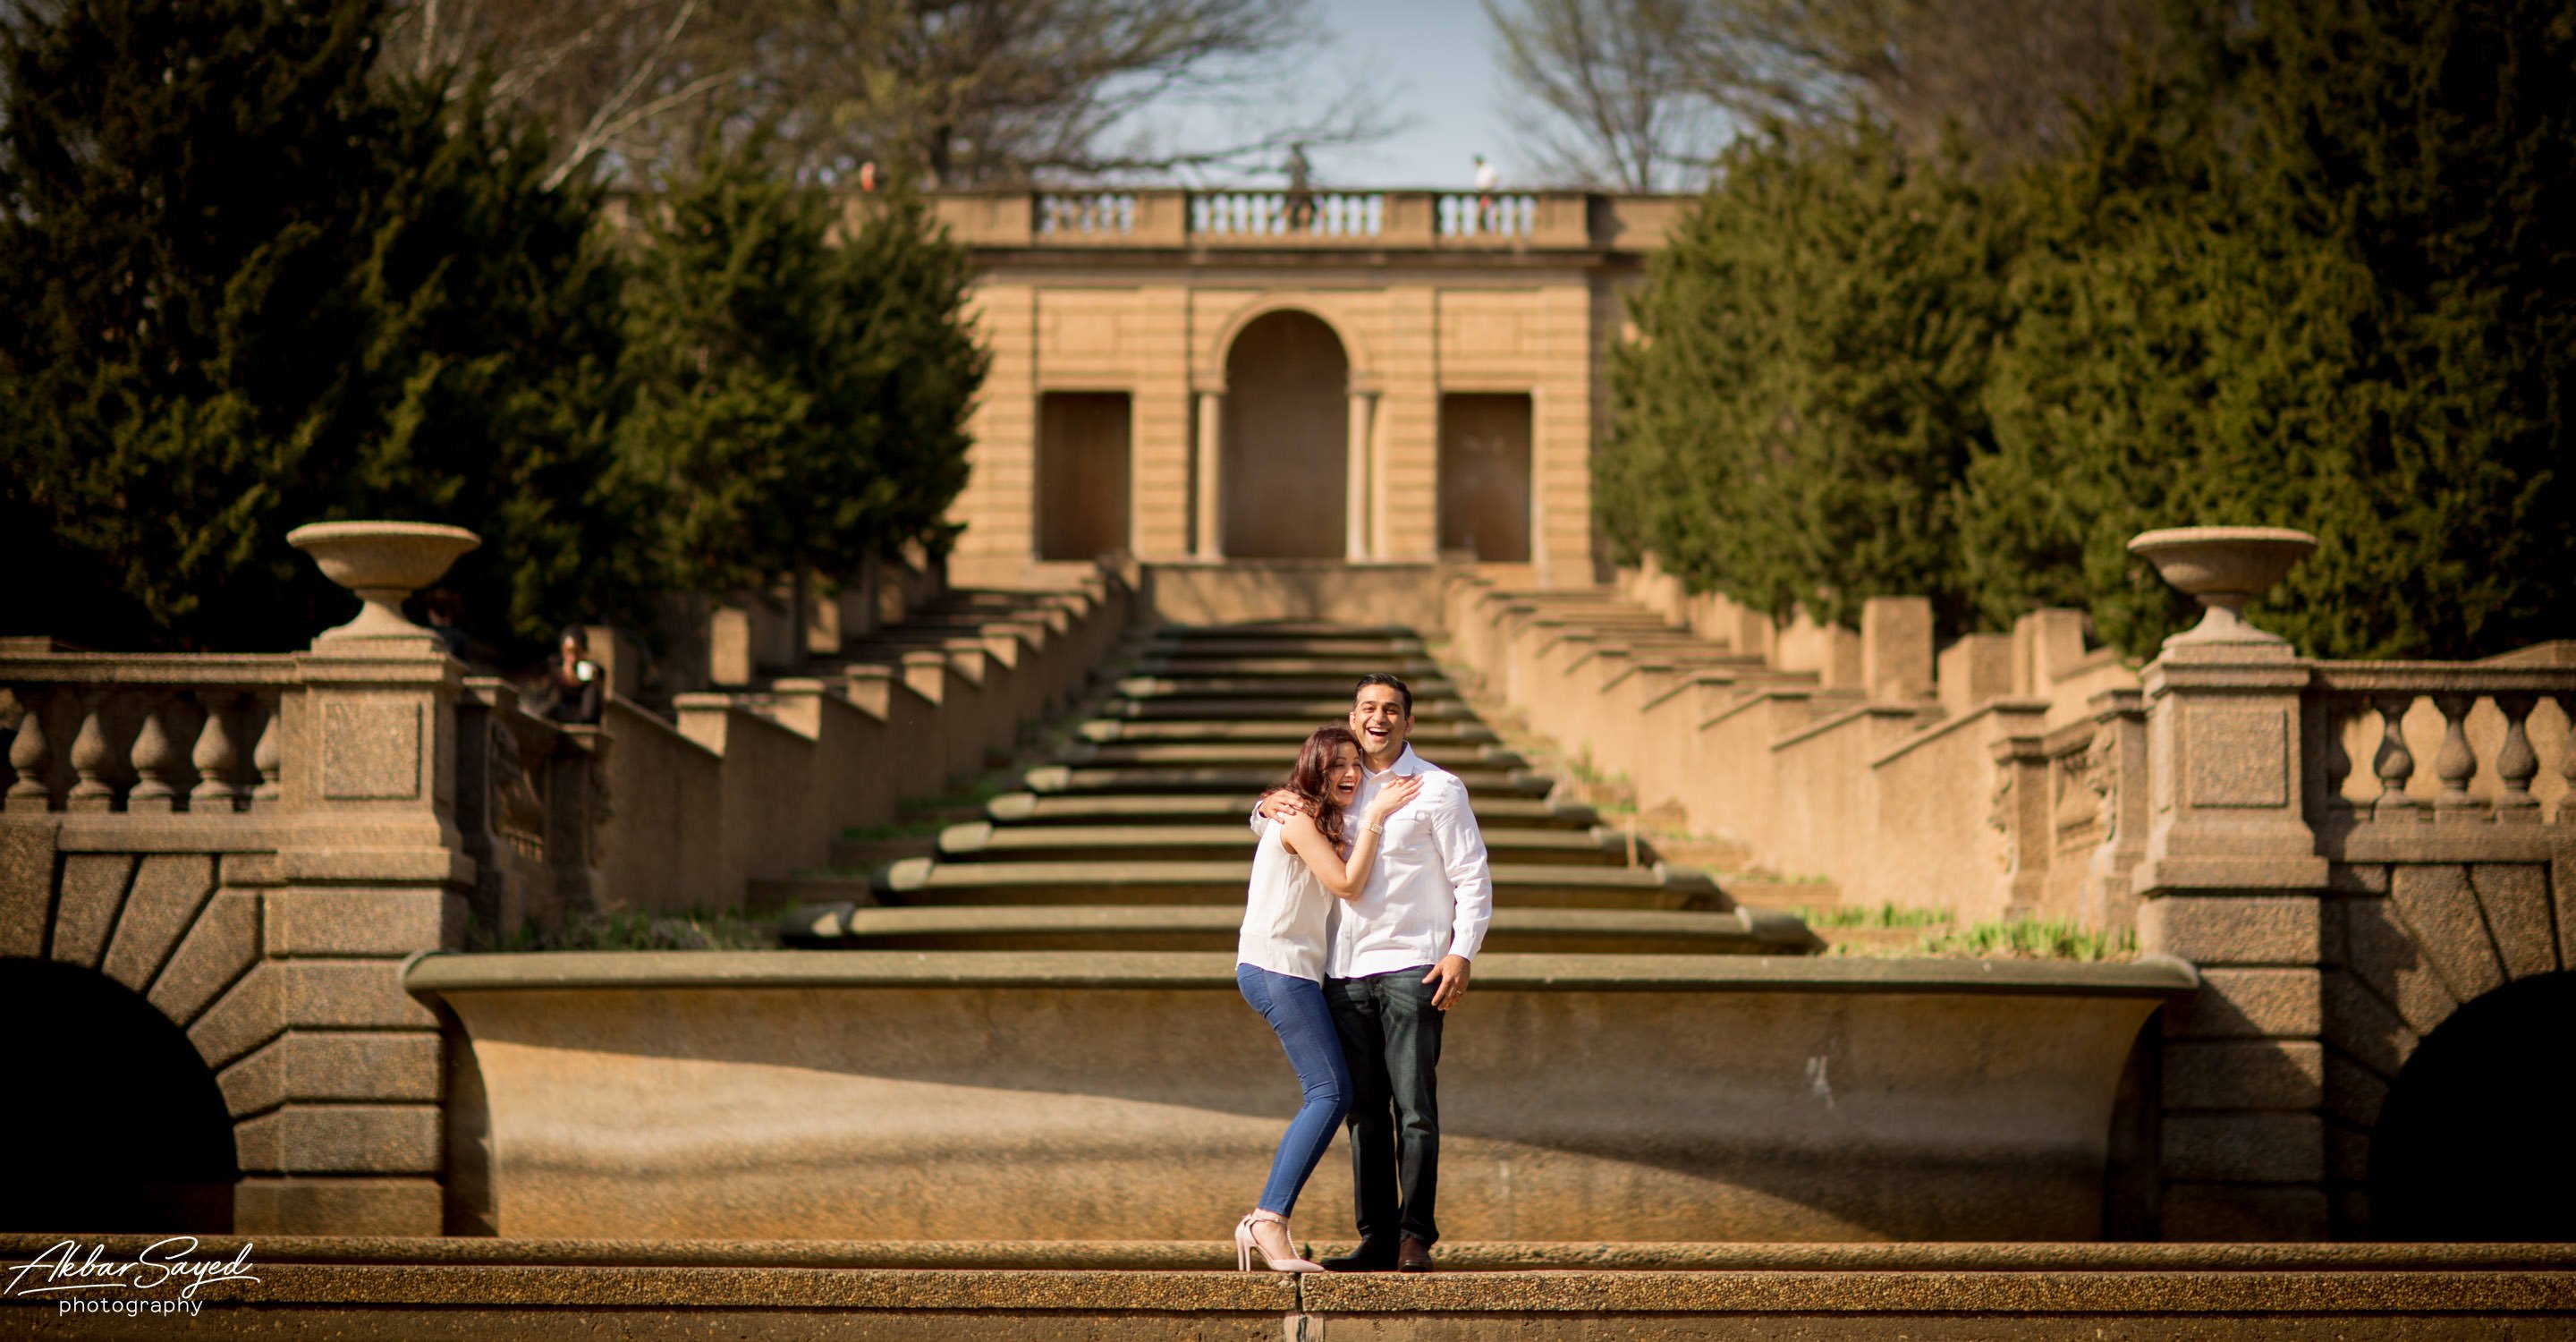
[2031,939]
[1883,916]
[984,790]
[638,932]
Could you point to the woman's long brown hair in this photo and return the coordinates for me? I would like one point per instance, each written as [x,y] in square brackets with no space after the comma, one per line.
[1308,779]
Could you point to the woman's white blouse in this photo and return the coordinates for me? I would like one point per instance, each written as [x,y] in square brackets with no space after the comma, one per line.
[1286,914]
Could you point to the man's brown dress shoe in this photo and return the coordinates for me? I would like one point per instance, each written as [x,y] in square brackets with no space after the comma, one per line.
[1413,1256]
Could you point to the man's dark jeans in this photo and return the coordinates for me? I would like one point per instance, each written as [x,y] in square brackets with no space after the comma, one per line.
[1391,1038]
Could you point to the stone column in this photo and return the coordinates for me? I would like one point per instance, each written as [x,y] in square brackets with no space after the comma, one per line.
[337,1072]
[1207,544]
[2231,881]
[1356,529]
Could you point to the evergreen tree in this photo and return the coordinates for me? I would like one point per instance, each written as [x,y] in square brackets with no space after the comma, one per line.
[180,190]
[2305,279]
[800,406]
[258,292]
[735,429]
[1792,423]
[497,350]
[915,363]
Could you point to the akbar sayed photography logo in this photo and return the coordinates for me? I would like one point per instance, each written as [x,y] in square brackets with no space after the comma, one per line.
[163,1277]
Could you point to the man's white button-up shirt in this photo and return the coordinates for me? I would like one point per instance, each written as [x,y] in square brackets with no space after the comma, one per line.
[1430,892]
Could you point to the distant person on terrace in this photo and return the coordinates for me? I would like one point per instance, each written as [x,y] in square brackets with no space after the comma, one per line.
[573,687]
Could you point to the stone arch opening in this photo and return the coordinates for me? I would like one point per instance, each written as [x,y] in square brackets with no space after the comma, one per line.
[2472,1141]
[1284,460]
[116,1124]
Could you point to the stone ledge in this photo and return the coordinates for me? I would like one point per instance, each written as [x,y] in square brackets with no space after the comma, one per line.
[1456,1257]
[437,973]
[2064,1280]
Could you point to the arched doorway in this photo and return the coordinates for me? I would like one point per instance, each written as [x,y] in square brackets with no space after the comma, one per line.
[1285,447]
[2472,1142]
[114,1122]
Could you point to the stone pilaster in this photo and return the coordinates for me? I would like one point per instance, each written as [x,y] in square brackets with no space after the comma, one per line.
[2230,881]
[334,1074]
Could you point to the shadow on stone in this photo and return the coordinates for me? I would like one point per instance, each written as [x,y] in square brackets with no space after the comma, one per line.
[114,1123]
[2473,1141]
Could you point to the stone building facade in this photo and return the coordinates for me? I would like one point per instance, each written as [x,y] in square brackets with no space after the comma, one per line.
[1194,377]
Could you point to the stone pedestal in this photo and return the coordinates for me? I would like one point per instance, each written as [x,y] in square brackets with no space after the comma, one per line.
[2231,881]
[334,1073]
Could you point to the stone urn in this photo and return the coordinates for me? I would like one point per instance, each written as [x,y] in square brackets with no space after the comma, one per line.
[2223,568]
[383,562]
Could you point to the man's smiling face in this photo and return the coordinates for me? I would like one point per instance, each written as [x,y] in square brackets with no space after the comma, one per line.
[1379,717]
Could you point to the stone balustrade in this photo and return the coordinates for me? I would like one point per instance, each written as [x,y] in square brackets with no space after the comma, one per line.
[2410,743]
[103,734]
[1176,218]
[1491,214]
[1280,214]
[1085,214]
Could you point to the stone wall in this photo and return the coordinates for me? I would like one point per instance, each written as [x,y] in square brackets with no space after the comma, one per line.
[2269,818]
[1959,781]
[254,845]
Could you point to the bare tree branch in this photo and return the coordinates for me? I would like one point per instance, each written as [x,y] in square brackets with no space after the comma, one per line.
[1629,92]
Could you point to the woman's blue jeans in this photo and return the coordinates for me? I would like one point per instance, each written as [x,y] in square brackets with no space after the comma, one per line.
[1296,1012]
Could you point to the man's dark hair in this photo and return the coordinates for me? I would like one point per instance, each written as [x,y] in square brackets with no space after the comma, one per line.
[1395,683]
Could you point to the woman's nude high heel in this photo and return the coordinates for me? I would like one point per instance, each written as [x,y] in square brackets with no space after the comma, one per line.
[1245,1246]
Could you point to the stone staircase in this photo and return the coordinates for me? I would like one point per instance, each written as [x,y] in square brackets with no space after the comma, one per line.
[1130,834]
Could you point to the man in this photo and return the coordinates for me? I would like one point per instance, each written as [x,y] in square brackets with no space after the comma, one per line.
[1399,961]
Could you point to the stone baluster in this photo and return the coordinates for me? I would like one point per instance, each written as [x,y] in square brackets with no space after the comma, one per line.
[2338,761]
[31,757]
[269,757]
[217,756]
[92,755]
[156,762]
[2394,763]
[2567,761]
[2455,764]
[2516,763]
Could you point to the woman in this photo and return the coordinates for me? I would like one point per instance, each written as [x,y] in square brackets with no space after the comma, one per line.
[1297,874]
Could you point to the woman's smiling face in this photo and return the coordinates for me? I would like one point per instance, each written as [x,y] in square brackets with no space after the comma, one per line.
[1343,775]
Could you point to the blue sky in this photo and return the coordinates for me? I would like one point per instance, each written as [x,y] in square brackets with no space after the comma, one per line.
[1428,62]
[1435,59]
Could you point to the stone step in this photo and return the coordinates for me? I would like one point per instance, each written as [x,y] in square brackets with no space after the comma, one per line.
[1311,711]
[1213,927]
[984,841]
[1277,755]
[1027,808]
[1342,669]
[1144,688]
[364,1288]
[1058,778]
[1427,737]
[1363,648]
[929,881]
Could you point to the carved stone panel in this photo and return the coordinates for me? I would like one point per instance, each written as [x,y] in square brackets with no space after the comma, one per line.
[2239,756]
[371,750]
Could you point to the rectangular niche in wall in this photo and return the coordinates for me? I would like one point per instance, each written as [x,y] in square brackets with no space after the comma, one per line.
[1485,475]
[1082,473]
